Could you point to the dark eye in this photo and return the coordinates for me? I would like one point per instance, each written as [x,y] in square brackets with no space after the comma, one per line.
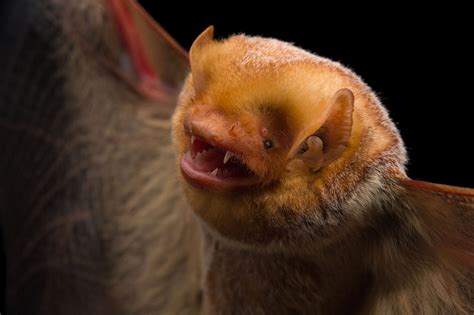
[268,144]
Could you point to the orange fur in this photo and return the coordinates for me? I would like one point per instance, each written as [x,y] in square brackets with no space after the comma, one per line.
[349,225]
[273,75]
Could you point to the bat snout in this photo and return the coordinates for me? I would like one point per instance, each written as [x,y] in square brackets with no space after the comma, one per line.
[211,160]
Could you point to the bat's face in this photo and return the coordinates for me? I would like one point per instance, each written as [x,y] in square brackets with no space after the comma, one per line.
[228,150]
[259,128]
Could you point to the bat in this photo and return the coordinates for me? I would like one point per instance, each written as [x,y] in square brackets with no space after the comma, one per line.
[94,221]
[297,176]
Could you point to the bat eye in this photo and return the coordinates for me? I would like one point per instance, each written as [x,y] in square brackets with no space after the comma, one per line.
[267,144]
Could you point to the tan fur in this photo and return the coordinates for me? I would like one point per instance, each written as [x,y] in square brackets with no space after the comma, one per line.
[346,228]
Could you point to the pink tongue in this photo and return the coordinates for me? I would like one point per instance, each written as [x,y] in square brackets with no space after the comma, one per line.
[209,160]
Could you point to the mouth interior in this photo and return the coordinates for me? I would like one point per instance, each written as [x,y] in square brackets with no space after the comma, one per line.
[206,158]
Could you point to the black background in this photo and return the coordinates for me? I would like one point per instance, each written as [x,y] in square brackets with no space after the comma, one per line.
[417,60]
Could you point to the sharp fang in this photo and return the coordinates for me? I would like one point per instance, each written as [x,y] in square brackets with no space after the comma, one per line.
[227,156]
[192,139]
[214,172]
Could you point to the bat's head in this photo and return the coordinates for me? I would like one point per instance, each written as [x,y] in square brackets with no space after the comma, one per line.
[262,129]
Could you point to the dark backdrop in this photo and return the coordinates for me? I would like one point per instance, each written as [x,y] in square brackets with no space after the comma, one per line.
[417,60]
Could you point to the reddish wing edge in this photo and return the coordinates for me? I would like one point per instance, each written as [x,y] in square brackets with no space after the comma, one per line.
[439,188]
[453,210]
[149,54]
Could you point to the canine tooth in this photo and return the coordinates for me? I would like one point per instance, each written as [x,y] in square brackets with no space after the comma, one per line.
[192,139]
[214,172]
[227,156]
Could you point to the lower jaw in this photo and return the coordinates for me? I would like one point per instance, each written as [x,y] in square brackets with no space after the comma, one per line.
[200,179]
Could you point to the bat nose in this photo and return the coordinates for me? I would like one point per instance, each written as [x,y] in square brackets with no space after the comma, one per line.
[212,125]
[205,129]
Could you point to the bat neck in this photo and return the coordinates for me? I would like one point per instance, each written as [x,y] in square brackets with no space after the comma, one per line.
[245,281]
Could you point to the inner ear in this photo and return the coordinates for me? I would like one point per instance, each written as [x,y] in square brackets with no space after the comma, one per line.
[326,144]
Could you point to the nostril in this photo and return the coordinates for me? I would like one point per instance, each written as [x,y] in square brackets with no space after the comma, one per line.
[233,130]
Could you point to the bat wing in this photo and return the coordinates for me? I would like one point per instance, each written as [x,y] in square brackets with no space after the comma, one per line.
[448,214]
[146,56]
[91,216]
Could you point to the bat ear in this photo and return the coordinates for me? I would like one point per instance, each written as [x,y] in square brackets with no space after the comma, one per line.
[199,76]
[325,139]
[206,37]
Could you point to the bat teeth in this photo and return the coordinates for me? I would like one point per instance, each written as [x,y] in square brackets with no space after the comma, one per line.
[214,172]
[192,139]
[227,156]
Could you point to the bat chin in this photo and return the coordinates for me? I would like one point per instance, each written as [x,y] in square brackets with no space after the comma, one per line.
[211,167]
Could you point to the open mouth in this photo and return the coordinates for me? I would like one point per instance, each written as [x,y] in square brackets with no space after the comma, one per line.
[210,166]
